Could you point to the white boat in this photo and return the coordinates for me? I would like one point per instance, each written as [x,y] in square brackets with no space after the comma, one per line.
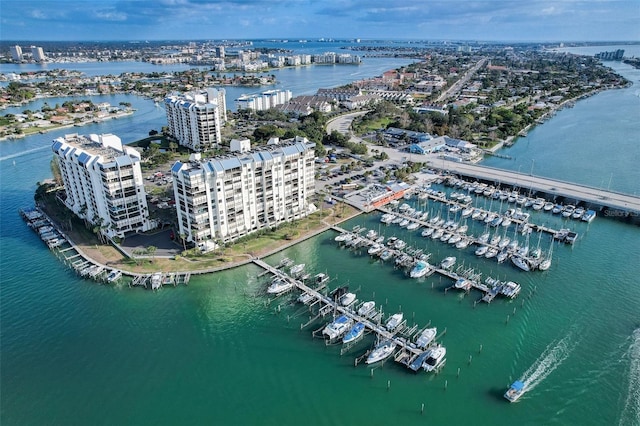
[394,321]
[387,218]
[426,337]
[435,359]
[356,331]
[448,262]
[413,226]
[492,252]
[381,351]
[437,234]
[338,327]
[114,276]
[502,256]
[279,286]
[427,232]
[539,204]
[371,234]
[462,244]
[421,269]
[568,210]
[577,213]
[375,249]
[467,211]
[404,223]
[320,278]
[156,281]
[454,239]
[521,263]
[366,308]
[462,284]
[548,206]
[343,237]
[482,250]
[347,299]
[305,298]
[515,391]
[297,269]
[399,244]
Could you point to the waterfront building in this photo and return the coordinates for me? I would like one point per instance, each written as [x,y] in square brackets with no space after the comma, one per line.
[227,197]
[38,54]
[103,182]
[195,118]
[614,55]
[263,101]
[16,53]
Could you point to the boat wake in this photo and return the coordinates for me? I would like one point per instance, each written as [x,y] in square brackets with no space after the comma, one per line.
[631,410]
[21,153]
[551,358]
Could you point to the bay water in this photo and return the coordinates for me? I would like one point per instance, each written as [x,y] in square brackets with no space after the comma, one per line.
[215,352]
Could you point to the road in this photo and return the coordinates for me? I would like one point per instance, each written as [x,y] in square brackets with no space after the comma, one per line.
[458,85]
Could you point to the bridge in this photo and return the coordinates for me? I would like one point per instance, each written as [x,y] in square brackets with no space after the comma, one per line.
[621,204]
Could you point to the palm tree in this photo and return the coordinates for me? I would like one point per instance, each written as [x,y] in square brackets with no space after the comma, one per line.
[151,251]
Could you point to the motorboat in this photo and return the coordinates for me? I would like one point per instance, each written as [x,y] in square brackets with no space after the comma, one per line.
[375,249]
[515,391]
[386,255]
[156,280]
[421,269]
[502,256]
[462,244]
[394,321]
[371,234]
[437,234]
[279,286]
[381,351]
[399,244]
[305,298]
[557,209]
[539,204]
[445,237]
[387,218]
[491,252]
[577,213]
[320,278]
[343,238]
[484,238]
[568,210]
[548,206]
[462,284]
[347,299]
[426,337]
[297,269]
[588,216]
[338,292]
[356,331]
[495,239]
[435,359]
[454,239]
[366,308]
[427,232]
[114,276]
[521,263]
[338,327]
[448,262]
[418,362]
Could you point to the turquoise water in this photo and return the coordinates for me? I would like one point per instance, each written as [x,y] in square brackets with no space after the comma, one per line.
[74,352]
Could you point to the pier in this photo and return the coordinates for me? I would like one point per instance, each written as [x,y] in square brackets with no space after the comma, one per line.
[372,323]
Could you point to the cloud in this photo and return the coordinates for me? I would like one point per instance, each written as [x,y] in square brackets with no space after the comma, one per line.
[110,15]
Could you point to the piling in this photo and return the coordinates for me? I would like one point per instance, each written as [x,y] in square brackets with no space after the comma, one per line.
[480,350]
[458,373]
[422,409]
[388,384]
[372,373]
[514,311]
[507,319]
[470,358]
[445,384]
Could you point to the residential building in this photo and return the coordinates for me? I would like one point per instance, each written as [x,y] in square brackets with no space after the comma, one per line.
[103,182]
[263,101]
[38,54]
[227,197]
[16,53]
[195,118]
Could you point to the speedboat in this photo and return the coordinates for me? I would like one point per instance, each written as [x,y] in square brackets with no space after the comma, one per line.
[435,359]
[394,321]
[426,337]
[381,351]
[356,331]
[347,299]
[462,284]
[515,391]
[279,286]
[338,327]
[417,363]
[448,262]
[421,269]
[366,308]
[589,215]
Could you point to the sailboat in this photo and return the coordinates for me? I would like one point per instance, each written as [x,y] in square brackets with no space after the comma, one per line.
[546,263]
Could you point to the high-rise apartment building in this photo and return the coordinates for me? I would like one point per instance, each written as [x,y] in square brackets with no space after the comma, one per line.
[16,53]
[38,54]
[227,197]
[195,118]
[103,182]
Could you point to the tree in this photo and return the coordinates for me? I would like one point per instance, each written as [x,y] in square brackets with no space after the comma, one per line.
[151,251]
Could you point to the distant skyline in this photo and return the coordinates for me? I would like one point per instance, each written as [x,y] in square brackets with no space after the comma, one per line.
[485,20]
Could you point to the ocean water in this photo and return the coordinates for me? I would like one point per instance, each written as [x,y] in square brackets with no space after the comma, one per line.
[216,352]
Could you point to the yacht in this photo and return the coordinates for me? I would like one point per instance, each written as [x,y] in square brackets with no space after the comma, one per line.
[435,359]
[521,263]
[394,321]
[343,238]
[381,351]
[556,209]
[437,234]
[463,284]
[548,206]
[386,255]
[421,269]
[404,223]
[114,276]
[375,249]
[539,204]
[399,244]
[297,269]
[426,337]
[455,238]
[366,308]
[338,327]
[482,250]
[502,256]
[356,331]
[279,286]
[387,218]
[462,244]
[413,226]
[515,391]
[305,298]
[448,262]
[427,232]
[491,252]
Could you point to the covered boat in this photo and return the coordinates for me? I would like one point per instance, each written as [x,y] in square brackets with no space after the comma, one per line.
[515,391]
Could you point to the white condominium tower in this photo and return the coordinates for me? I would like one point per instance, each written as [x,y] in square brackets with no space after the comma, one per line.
[227,197]
[195,118]
[263,101]
[16,53]
[103,182]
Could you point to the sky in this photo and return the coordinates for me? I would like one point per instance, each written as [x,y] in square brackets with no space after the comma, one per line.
[487,20]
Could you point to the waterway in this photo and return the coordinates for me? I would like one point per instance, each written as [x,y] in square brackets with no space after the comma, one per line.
[74,352]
